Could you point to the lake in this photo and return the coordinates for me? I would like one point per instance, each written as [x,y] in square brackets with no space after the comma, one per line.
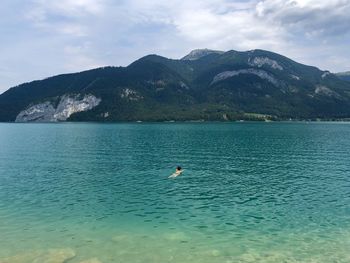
[250,192]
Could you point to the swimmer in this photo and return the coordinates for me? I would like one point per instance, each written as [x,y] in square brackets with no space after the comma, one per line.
[178,171]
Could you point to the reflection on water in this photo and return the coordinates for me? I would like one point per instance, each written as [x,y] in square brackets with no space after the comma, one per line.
[251,192]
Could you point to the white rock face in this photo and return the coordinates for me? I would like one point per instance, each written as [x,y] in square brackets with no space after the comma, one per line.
[130,95]
[295,77]
[258,72]
[325,74]
[323,90]
[183,85]
[46,112]
[261,61]
[42,112]
[199,53]
[69,105]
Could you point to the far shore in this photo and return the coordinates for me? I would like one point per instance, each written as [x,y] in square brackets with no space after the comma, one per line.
[193,121]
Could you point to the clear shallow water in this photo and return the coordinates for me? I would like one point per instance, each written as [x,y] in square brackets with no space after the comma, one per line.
[250,192]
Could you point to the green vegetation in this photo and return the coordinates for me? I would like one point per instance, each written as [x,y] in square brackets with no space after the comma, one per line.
[155,88]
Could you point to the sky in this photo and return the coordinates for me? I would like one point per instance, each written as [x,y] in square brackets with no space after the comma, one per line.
[42,38]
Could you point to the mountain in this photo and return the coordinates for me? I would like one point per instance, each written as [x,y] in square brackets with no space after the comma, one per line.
[199,53]
[204,85]
[344,75]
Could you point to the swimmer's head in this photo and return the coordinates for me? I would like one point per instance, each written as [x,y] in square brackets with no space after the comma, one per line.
[179,168]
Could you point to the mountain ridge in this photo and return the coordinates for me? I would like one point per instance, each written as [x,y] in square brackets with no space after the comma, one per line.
[203,85]
[344,75]
[199,53]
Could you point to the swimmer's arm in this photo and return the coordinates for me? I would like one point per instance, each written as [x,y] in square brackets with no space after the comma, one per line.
[174,175]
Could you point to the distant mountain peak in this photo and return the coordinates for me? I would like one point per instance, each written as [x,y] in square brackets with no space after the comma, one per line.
[205,85]
[199,53]
[346,73]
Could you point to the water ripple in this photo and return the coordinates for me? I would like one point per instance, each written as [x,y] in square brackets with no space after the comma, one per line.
[242,184]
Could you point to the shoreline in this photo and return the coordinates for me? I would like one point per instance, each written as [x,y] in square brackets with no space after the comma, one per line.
[347,120]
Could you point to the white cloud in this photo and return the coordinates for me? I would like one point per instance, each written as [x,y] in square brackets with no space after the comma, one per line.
[51,36]
[73,8]
[73,29]
[78,58]
[317,18]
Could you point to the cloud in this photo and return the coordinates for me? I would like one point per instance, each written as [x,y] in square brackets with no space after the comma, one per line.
[63,17]
[69,8]
[52,37]
[310,17]
[230,29]
[78,57]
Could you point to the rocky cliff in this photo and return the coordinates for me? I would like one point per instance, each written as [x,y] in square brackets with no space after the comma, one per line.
[204,85]
[67,105]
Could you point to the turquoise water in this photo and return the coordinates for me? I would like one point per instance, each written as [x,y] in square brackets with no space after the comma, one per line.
[250,192]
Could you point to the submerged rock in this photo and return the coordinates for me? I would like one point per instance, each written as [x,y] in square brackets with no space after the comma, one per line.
[215,253]
[22,258]
[56,256]
[92,260]
[120,238]
[285,257]
[177,236]
[45,256]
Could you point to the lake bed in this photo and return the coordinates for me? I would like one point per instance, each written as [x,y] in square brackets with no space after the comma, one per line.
[250,192]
